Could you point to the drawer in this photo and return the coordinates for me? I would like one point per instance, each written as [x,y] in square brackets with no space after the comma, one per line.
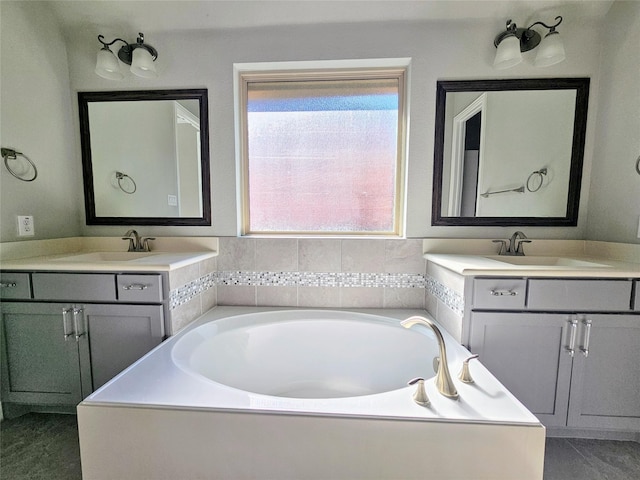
[499,293]
[15,285]
[91,287]
[636,302]
[140,288]
[579,295]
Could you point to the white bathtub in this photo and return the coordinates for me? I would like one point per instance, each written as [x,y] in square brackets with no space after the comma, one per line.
[306,354]
[245,393]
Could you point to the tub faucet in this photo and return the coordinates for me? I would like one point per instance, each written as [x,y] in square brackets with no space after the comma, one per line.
[444,383]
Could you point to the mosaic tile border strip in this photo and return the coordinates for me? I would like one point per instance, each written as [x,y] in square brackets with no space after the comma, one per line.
[323,279]
[187,292]
[449,297]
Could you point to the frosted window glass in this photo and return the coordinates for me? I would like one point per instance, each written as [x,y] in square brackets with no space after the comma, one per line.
[322,155]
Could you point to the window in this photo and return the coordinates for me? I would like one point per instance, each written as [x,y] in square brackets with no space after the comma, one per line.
[322,151]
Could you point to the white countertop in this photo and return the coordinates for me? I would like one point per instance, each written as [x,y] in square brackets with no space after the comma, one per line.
[154,262]
[100,254]
[587,267]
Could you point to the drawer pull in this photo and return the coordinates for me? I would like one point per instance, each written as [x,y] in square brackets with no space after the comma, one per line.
[8,285]
[587,336]
[136,286]
[571,349]
[503,293]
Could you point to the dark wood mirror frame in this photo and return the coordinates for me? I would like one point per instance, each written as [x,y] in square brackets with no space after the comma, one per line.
[84,98]
[581,85]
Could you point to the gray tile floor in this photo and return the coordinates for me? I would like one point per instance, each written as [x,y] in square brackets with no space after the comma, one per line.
[45,446]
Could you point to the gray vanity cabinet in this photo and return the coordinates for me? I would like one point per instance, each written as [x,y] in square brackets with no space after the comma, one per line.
[569,352]
[42,361]
[119,335]
[527,353]
[605,384]
[66,334]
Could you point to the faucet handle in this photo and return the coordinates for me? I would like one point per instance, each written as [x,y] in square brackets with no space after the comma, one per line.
[465,374]
[503,246]
[145,244]
[420,397]
[519,248]
[131,244]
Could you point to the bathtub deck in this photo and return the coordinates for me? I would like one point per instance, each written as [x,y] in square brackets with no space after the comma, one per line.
[156,420]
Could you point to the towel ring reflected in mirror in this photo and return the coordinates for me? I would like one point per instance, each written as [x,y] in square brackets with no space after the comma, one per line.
[536,179]
[122,176]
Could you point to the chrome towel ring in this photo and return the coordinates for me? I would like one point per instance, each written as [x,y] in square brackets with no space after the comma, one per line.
[120,176]
[10,154]
[539,176]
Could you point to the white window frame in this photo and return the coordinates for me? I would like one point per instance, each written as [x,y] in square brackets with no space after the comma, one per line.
[369,68]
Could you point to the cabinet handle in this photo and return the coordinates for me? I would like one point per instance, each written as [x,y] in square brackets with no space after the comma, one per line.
[65,313]
[8,285]
[502,293]
[587,336]
[135,286]
[571,349]
[77,312]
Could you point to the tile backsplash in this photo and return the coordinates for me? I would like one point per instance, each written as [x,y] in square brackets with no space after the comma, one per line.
[315,273]
[321,272]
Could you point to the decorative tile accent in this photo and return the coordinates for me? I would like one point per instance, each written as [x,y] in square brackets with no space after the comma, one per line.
[186,292]
[449,297]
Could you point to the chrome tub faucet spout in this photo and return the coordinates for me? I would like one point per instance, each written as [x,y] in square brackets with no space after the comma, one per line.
[444,383]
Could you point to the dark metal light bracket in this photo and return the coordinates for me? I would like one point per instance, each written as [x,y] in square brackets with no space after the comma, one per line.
[529,39]
[125,54]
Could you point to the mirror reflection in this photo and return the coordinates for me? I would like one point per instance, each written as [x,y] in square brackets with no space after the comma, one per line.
[509,152]
[145,157]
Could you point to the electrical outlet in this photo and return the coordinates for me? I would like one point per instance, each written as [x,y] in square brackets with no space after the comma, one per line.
[25,225]
[172,200]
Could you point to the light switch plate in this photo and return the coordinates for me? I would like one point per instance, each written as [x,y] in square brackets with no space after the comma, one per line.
[25,225]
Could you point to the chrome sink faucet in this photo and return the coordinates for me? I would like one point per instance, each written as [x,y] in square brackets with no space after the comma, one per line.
[444,383]
[137,243]
[515,244]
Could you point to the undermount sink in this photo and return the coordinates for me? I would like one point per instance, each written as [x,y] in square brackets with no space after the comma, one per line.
[105,257]
[540,261]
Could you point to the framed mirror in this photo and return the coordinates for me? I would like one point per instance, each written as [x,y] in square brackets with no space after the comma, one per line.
[145,157]
[509,152]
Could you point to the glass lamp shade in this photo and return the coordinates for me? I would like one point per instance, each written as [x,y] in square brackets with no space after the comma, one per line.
[142,63]
[550,51]
[508,53]
[107,65]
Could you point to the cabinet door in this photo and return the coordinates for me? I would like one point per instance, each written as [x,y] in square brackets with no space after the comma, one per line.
[605,385]
[119,335]
[527,353]
[41,365]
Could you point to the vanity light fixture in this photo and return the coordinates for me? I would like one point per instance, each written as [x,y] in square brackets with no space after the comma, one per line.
[513,41]
[139,55]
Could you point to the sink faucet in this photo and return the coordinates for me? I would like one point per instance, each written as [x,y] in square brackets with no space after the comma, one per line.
[444,383]
[136,243]
[515,244]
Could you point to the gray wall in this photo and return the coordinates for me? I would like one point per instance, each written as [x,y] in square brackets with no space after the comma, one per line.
[36,118]
[47,111]
[614,205]
[454,50]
